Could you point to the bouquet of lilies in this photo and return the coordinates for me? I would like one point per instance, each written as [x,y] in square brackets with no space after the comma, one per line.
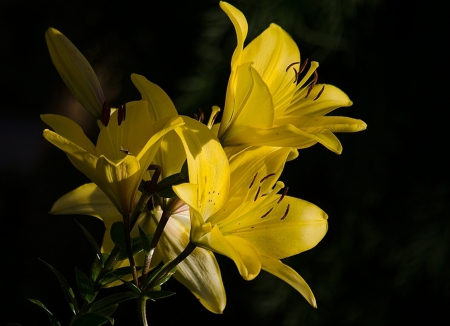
[173,190]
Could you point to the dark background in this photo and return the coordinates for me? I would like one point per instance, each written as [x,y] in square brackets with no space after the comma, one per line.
[385,257]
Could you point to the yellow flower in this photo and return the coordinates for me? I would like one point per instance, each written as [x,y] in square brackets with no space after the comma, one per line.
[199,272]
[253,225]
[123,152]
[269,104]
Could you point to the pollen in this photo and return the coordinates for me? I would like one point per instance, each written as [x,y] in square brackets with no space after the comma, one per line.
[320,93]
[267,177]
[286,213]
[284,194]
[254,178]
[267,213]
[257,193]
[106,114]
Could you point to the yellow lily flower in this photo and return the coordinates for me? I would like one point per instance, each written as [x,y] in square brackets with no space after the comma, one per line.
[123,152]
[268,104]
[253,225]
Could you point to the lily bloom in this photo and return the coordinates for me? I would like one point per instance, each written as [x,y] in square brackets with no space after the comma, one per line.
[269,103]
[254,225]
[124,150]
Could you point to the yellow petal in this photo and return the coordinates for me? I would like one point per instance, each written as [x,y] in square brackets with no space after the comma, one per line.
[284,136]
[316,124]
[241,27]
[281,228]
[244,255]
[208,166]
[119,181]
[271,53]
[87,199]
[76,72]
[330,99]
[199,272]
[287,274]
[80,158]
[159,104]
[251,106]
[70,130]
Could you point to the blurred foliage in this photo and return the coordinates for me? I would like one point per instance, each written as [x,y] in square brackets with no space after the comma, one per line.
[385,257]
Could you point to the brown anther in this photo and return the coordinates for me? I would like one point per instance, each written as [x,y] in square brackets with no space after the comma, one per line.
[314,82]
[267,213]
[202,115]
[320,93]
[284,194]
[303,66]
[286,213]
[106,114]
[257,193]
[124,110]
[267,177]
[292,64]
[121,114]
[254,178]
[296,76]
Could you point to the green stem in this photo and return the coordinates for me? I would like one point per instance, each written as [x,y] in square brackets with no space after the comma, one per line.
[127,230]
[156,236]
[142,314]
[184,254]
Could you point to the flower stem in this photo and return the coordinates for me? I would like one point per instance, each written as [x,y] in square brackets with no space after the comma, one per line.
[126,222]
[184,254]
[142,313]
[156,236]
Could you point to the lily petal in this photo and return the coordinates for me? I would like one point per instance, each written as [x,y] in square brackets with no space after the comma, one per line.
[290,276]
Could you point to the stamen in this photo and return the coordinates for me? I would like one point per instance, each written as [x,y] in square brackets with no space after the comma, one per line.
[316,77]
[303,66]
[212,118]
[257,193]
[286,213]
[106,114]
[254,178]
[320,93]
[296,76]
[292,64]
[284,194]
[267,213]
[266,177]
[121,114]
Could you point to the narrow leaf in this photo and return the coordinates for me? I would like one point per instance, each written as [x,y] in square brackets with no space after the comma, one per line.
[68,292]
[96,268]
[157,294]
[92,241]
[53,320]
[114,299]
[145,241]
[108,311]
[92,319]
[115,274]
[85,286]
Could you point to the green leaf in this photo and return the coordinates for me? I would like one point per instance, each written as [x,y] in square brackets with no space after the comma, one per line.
[96,269]
[145,241]
[166,193]
[118,235]
[108,311]
[153,295]
[131,286]
[92,319]
[112,300]
[85,286]
[167,276]
[115,274]
[92,242]
[53,320]
[68,292]
[136,247]
[156,273]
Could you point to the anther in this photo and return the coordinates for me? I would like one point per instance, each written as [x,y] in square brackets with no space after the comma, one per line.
[303,66]
[254,178]
[121,113]
[257,193]
[106,114]
[284,194]
[292,64]
[267,177]
[267,213]
[296,76]
[320,93]
[286,213]
[314,82]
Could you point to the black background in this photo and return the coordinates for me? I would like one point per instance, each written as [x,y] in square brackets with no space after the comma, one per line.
[385,257]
